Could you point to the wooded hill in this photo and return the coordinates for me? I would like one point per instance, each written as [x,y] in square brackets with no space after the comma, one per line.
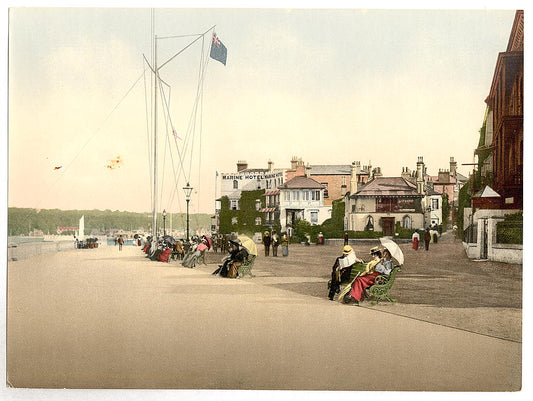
[21,221]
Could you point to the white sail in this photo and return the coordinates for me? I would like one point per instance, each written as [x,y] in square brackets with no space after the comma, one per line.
[81,228]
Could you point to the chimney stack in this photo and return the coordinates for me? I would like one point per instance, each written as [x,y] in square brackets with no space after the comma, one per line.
[420,175]
[241,165]
[356,168]
[453,167]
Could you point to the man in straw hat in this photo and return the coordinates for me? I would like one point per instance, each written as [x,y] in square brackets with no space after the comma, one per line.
[342,268]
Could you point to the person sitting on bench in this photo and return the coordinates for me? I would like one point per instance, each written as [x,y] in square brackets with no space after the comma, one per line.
[364,280]
[342,269]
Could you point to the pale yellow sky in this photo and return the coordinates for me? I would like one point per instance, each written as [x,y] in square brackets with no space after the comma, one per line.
[330,86]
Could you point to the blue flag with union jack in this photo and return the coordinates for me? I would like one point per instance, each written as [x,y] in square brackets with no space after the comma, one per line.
[218,50]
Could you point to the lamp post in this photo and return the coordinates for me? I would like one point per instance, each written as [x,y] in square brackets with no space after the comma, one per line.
[187,189]
[164,218]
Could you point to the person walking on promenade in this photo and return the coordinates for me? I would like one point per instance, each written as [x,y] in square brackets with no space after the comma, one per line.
[320,238]
[427,239]
[266,242]
[120,243]
[416,240]
[284,244]
[275,243]
[345,238]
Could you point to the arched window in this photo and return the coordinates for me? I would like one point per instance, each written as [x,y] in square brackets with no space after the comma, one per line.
[407,222]
[369,223]
[235,184]
[258,221]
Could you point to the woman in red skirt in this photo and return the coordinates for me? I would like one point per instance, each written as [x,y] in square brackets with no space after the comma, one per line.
[365,279]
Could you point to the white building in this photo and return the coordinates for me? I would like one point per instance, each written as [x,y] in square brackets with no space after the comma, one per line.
[248,179]
[302,198]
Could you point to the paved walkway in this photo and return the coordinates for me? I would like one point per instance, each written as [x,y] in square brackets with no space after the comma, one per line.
[107,319]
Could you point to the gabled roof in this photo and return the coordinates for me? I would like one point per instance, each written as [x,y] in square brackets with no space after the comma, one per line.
[486,192]
[389,186]
[301,182]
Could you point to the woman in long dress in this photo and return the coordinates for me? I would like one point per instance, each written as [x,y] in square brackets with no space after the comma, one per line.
[416,240]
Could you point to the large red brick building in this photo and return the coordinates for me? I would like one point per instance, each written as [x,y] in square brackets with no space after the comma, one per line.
[505,104]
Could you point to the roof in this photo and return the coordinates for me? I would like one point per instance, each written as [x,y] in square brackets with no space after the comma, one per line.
[486,192]
[389,186]
[339,169]
[301,182]
[460,177]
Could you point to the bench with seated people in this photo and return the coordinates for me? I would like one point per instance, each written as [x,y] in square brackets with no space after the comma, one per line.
[379,289]
[247,265]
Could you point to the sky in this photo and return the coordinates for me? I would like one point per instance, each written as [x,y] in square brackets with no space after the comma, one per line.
[331,86]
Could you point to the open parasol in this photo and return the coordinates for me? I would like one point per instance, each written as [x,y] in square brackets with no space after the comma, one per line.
[169,240]
[249,244]
[393,248]
[208,241]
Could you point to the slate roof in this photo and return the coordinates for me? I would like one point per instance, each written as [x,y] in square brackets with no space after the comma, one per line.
[340,169]
[301,182]
[388,186]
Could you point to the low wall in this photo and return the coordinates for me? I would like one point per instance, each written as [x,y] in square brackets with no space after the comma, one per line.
[507,253]
[471,250]
[29,249]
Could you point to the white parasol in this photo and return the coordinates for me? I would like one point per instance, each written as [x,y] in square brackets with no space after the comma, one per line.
[249,244]
[393,248]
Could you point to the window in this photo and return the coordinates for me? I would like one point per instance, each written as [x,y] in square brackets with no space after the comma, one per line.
[235,184]
[314,216]
[434,204]
[369,223]
[258,221]
[406,222]
[258,183]
[296,195]
[326,193]
[287,196]
[258,204]
[234,204]
[315,195]
[306,195]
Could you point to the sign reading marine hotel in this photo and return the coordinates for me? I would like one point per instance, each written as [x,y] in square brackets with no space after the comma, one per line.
[250,180]
[252,176]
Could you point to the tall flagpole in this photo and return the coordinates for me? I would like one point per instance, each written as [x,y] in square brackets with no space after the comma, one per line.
[154,211]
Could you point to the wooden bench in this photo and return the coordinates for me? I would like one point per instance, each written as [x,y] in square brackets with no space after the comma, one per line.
[246,267]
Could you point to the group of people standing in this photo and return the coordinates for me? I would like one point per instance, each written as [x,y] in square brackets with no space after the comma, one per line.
[429,236]
[275,241]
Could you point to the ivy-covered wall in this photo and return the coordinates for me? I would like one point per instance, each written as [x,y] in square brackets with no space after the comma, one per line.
[245,217]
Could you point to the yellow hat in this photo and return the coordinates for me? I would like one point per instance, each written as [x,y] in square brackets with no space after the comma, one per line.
[347,249]
[375,250]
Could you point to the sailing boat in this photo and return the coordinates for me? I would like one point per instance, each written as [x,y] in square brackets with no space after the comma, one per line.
[217,52]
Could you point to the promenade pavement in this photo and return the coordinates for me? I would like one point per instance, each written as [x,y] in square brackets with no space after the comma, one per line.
[104,318]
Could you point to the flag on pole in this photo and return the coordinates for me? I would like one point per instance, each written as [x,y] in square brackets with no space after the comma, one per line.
[218,50]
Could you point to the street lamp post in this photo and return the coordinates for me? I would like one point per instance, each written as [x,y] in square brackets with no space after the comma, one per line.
[164,218]
[187,189]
